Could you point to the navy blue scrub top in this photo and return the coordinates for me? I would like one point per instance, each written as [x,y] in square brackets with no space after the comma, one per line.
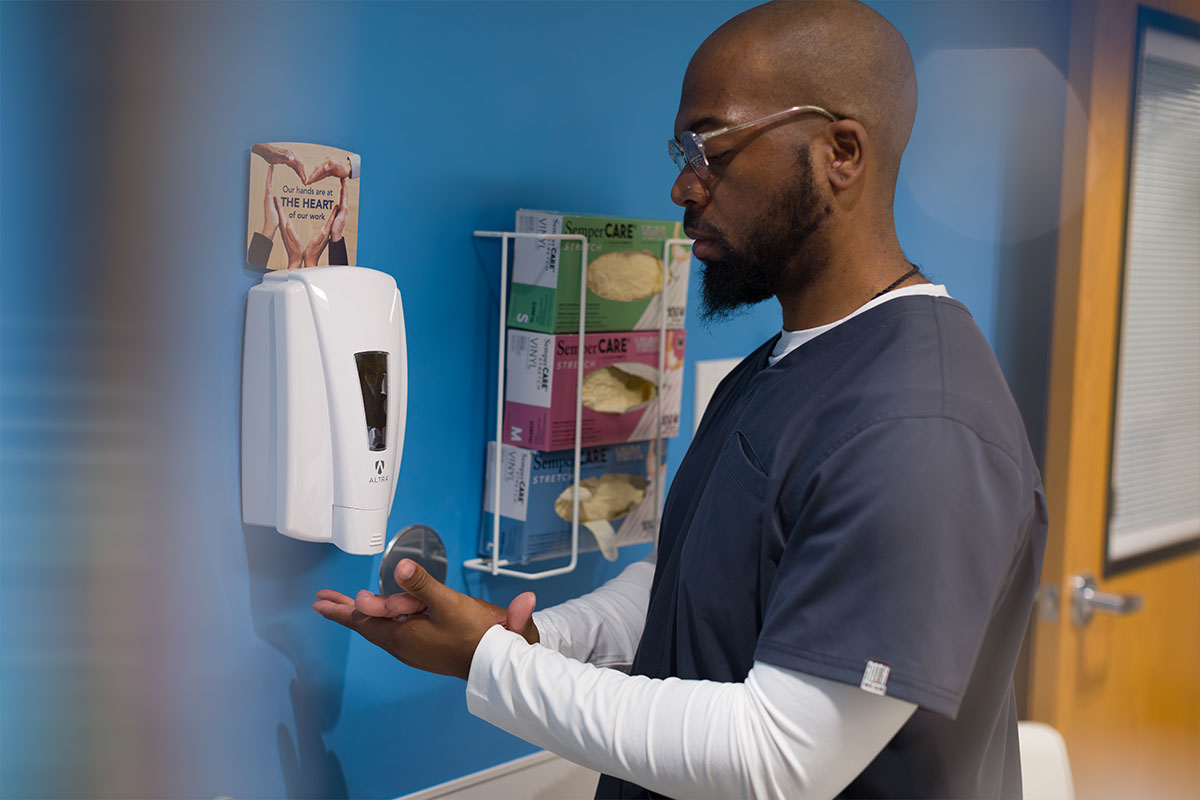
[867,510]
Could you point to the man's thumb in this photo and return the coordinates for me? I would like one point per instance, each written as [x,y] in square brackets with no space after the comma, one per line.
[412,578]
[520,614]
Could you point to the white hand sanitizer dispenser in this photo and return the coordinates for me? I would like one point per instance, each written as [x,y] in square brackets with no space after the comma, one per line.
[324,398]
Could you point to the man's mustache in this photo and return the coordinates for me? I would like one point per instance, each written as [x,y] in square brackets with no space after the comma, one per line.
[697,231]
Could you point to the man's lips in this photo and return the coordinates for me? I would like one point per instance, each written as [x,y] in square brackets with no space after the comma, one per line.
[703,242]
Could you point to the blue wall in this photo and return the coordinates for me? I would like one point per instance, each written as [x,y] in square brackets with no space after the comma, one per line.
[149,638]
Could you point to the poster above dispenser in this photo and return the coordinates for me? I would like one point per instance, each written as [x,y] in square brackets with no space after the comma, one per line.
[303,206]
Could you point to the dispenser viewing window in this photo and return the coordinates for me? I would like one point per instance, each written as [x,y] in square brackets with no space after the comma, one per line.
[372,379]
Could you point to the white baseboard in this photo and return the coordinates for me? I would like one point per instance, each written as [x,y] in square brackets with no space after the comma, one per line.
[538,776]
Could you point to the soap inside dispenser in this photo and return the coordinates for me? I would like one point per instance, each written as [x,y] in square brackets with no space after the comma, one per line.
[372,379]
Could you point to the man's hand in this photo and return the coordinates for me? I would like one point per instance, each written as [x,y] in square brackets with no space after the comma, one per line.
[291,239]
[270,213]
[432,627]
[273,154]
[337,167]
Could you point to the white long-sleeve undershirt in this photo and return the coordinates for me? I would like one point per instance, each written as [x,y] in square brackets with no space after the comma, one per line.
[780,733]
[602,627]
[790,340]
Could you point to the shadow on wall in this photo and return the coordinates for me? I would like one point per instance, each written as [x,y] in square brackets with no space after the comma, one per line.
[283,573]
[1032,208]
[1006,190]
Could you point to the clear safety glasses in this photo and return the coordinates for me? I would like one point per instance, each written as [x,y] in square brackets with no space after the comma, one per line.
[688,149]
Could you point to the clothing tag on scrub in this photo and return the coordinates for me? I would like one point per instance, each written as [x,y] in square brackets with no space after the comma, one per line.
[875,677]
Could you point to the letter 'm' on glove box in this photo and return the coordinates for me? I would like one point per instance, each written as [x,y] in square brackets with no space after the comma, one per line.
[324,400]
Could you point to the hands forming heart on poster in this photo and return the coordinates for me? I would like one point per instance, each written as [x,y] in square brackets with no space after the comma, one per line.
[300,254]
[329,168]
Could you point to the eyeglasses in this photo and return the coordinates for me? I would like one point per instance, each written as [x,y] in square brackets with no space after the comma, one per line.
[688,149]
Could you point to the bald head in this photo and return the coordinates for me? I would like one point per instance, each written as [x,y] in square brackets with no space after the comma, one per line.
[837,54]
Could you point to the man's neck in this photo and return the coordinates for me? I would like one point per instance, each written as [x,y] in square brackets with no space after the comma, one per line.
[849,282]
[827,301]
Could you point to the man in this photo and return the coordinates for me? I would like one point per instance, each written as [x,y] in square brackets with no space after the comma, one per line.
[849,551]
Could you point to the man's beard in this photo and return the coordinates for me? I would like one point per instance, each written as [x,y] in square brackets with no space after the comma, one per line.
[760,268]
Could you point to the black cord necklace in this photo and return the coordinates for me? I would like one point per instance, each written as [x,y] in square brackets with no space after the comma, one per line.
[914,271]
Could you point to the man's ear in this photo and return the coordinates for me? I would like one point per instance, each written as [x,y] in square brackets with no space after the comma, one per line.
[844,150]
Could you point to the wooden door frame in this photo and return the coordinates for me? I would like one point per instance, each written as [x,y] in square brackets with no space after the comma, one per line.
[1086,310]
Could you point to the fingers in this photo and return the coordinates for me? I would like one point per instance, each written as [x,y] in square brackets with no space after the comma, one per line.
[390,606]
[320,172]
[297,166]
[340,213]
[339,608]
[334,606]
[335,596]
[291,240]
[330,166]
[401,605]
[338,228]
[395,605]
[270,210]
[371,604]
[316,246]
[273,154]
[442,642]
[333,611]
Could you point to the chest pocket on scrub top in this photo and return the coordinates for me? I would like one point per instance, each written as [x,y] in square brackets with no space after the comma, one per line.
[745,465]
[729,516]
[719,603]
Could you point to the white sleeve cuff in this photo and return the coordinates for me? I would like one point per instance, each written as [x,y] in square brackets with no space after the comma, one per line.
[491,646]
[355,165]
[602,627]
[548,633]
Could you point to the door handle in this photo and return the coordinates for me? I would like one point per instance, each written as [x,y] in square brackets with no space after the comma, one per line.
[1086,599]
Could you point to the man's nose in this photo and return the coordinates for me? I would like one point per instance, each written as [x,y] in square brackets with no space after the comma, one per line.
[688,189]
